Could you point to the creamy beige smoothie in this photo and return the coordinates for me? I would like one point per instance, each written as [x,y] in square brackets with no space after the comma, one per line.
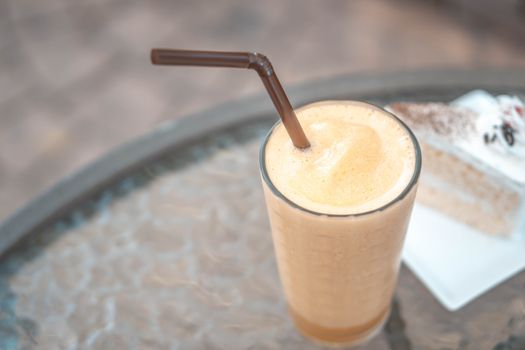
[339,211]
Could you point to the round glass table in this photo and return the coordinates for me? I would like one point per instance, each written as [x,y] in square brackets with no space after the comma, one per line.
[164,243]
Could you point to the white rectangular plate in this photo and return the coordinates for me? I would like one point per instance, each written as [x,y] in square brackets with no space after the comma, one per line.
[456,262]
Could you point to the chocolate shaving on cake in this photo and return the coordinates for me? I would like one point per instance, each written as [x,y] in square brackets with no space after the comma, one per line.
[508,133]
[505,129]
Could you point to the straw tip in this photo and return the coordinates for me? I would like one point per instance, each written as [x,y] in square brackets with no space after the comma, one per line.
[154,56]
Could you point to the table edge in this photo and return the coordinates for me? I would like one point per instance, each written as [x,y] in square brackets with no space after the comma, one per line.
[58,200]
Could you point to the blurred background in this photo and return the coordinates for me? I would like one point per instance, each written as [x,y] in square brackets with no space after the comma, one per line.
[75,77]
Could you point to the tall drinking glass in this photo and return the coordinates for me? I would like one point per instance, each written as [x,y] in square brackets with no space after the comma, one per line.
[338,270]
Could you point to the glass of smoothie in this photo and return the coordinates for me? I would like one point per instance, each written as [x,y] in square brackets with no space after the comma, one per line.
[339,211]
[339,178]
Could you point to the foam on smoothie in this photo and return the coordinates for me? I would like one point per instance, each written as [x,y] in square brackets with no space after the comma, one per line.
[360,158]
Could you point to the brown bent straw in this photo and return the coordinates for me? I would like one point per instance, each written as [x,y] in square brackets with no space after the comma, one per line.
[251,60]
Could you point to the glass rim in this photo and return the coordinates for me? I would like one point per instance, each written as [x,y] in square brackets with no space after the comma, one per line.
[399,197]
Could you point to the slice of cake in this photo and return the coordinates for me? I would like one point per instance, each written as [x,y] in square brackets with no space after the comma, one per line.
[473,159]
